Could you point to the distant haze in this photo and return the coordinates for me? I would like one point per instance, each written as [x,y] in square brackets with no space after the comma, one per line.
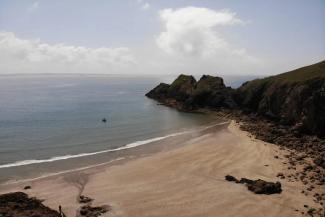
[146,37]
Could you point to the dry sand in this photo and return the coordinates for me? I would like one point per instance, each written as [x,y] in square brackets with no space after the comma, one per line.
[185,181]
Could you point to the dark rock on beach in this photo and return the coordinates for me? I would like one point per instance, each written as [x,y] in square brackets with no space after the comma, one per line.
[93,211]
[257,186]
[263,187]
[27,187]
[230,178]
[18,204]
[88,210]
[84,199]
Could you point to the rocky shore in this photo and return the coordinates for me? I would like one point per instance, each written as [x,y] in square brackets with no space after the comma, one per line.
[295,98]
[305,161]
[18,204]
[287,110]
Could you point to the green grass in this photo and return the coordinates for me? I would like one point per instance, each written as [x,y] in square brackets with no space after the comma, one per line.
[180,80]
[295,76]
[301,74]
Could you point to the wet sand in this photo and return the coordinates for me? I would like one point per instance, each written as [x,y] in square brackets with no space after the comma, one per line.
[186,180]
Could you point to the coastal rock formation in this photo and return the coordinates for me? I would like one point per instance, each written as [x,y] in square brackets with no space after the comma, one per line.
[212,92]
[185,93]
[287,110]
[295,98]
[18,204]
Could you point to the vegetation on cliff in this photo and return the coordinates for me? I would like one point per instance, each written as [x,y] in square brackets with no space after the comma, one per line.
[292,98]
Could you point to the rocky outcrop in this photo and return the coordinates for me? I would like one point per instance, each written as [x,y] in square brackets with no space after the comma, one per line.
[185,93]
[18,204]
[295,98]
[212,92]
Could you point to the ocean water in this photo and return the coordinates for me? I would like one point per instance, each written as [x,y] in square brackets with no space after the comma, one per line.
[46,120]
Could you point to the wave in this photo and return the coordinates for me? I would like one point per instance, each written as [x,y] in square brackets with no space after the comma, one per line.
[127,146]
[62,172]
[65,157]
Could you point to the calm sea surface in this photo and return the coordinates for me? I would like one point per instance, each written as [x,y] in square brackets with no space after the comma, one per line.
[46,119]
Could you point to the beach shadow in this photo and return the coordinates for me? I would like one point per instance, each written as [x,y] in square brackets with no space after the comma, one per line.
[79,180]
[86,209]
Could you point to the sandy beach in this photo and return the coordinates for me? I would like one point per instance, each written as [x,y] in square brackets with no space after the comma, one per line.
[187,180]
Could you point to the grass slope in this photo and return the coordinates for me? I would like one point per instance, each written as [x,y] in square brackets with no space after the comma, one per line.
[316,70]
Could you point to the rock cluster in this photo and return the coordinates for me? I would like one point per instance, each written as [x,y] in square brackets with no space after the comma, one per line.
[258,186]
[282,135]
[93,211]
[306,152]
[303,161]
[88,210]
[18,204]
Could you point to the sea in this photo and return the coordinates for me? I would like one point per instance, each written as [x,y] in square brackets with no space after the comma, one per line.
[45,120]
[53,123]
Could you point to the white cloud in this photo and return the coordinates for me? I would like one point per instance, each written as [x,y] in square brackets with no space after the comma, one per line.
[190,41]
[145,6]
[192,32]
[33,56]
[33,7]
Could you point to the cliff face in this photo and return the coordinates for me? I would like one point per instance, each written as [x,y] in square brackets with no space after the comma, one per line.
[186,93]
[294,98]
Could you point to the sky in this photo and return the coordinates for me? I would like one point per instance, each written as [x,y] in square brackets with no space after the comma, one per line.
[160,37]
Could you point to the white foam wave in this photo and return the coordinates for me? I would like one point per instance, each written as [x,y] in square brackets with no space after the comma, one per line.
[62,172]
[128,146]
[65,157]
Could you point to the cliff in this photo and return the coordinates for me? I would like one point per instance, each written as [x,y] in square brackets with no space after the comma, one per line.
[292,98]
[295,98]
[185,93]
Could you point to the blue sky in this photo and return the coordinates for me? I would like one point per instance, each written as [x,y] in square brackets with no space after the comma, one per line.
[157,37]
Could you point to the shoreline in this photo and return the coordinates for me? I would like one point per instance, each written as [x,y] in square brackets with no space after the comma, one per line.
[186,180]
[122,153]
